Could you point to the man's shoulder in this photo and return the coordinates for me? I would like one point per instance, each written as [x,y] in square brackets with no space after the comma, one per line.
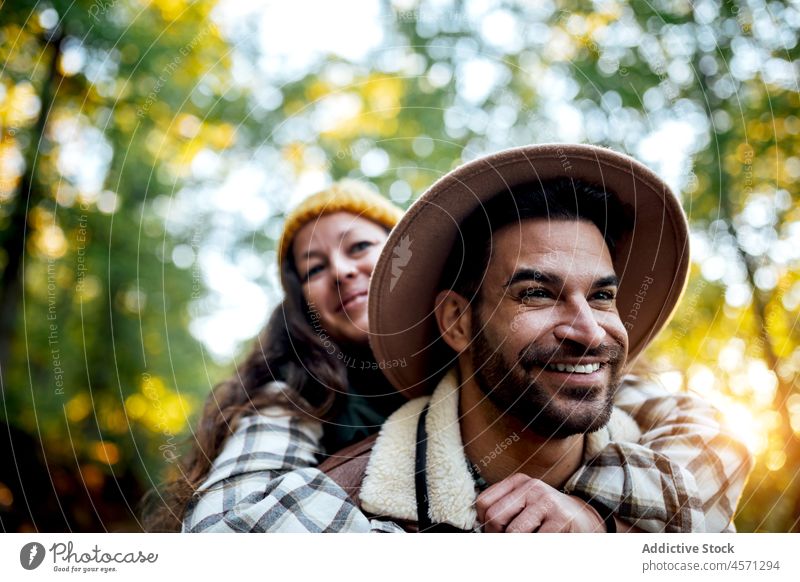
[349,466]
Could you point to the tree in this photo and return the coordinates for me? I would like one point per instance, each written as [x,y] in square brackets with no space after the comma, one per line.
[140,144]
[95,312]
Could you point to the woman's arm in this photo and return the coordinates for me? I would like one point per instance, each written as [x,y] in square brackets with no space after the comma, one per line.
[685,474]
[265,480]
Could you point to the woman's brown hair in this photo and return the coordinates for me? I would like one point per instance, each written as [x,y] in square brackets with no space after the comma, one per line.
[289,350]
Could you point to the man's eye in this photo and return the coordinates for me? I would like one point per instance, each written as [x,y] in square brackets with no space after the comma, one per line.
[606,295]
[534,293]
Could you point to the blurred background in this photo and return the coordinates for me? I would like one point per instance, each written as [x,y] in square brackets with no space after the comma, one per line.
[150,148]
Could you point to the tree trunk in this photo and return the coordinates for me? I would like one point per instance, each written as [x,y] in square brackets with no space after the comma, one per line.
[28,197]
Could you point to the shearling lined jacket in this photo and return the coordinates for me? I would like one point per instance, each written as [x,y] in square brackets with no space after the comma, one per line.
[677,470]
[386,486]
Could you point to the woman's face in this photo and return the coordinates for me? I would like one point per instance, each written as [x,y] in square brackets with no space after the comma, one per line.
[335,256]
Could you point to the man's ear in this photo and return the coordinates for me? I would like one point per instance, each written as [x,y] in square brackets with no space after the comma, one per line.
[454,316]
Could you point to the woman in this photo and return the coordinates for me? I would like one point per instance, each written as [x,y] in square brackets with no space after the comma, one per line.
[312,360]
[310,386]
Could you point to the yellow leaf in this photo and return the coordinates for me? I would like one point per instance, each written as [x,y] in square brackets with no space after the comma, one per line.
[79,407]
[105,452]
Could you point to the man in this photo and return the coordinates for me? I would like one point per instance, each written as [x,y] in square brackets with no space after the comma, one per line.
[559,265]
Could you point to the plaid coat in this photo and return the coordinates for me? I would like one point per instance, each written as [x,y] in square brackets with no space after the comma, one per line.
[684,474]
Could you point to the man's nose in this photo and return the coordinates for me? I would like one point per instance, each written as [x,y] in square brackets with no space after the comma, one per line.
[580,325]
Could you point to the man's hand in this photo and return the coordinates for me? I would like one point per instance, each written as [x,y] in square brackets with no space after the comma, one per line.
[523,504]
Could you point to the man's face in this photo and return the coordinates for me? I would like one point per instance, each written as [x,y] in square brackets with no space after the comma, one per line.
[547,342]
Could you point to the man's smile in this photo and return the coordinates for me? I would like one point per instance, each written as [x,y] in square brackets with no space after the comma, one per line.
[575,368]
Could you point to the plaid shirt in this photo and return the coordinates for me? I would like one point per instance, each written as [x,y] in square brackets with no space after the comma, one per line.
[264,480]
[685,474]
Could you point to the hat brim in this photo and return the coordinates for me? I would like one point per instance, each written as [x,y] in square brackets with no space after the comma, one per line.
[652,262]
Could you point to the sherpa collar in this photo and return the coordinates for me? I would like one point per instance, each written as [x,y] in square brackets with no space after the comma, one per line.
[388,487]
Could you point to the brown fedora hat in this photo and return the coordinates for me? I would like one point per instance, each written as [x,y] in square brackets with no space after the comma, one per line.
[652,261]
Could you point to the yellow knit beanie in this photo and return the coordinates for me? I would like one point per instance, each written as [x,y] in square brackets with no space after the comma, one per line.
[343,196]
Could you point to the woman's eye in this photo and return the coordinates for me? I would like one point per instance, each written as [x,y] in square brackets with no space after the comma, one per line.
[360,246]
[312,271]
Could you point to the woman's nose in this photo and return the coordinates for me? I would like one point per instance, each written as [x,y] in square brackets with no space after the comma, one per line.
[343,268]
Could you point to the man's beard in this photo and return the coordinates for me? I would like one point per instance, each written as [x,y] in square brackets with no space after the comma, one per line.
[514,391]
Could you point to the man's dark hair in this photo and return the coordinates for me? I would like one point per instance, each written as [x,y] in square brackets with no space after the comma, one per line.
[557,199]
